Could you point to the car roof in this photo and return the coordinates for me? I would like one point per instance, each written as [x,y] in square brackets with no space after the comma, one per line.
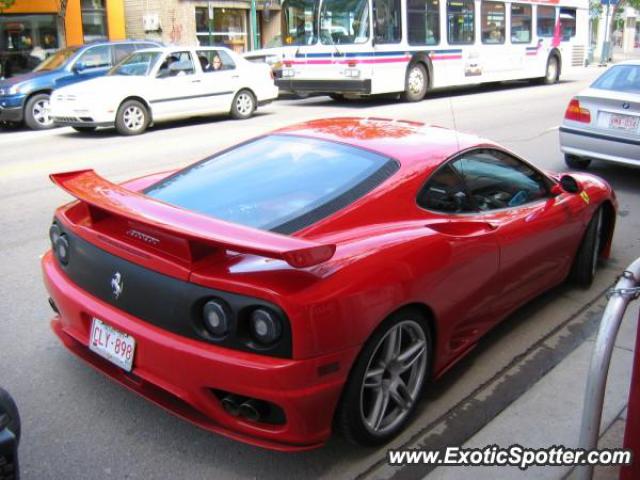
[411,143]
[114,42]
[179,48]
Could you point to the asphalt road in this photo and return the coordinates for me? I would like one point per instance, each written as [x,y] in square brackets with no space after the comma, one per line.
[79,425]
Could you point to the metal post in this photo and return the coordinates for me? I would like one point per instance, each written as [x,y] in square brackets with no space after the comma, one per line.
[605,41]
[254,26]
[624,292]
[210,22]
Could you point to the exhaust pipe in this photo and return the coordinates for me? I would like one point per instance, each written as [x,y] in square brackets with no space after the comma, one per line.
[231,404]
[253,410]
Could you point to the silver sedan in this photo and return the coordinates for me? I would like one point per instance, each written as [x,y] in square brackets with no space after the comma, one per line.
[603,121]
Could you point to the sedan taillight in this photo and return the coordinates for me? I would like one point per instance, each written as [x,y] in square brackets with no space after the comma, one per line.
[576,113]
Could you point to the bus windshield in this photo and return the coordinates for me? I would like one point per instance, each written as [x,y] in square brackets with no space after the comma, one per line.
[299,22]
[344,22]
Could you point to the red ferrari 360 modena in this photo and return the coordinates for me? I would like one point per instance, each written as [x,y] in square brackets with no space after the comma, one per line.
[314,277]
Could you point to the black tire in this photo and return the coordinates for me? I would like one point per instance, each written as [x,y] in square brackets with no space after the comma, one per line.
[36,112]
[350,416]
[552,73]
[8,407]
[132,118]
[84,129]
[244,104]
[575,162]
[585,262]
[338,97]
[416,83]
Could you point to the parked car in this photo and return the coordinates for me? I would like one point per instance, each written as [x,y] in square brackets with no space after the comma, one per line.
[603,121]
[166,84]
[9,437]
[26,97]
[314,276]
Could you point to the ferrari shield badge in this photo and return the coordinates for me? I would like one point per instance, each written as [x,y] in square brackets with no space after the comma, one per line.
[585,196]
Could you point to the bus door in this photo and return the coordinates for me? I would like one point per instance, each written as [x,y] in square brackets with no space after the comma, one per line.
[498,57]
[389,61]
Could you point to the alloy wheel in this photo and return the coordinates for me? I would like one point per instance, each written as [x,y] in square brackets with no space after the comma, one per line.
[133,118]
[244,104]
[40,112]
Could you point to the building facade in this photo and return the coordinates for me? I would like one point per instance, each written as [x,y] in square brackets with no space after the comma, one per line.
[30,29]
[189,22]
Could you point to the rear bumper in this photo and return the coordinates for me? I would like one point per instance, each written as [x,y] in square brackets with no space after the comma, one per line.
[599,146]
[179,373]
[325,86]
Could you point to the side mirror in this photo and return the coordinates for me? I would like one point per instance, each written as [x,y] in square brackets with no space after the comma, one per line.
[570,184]
[79,67]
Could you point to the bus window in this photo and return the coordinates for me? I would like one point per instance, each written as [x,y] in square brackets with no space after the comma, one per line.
[493,22]
[460,21]
[546,21]
[298,22]
[423,17]
[344,22]
[387,24]
[520,23]
[567,23]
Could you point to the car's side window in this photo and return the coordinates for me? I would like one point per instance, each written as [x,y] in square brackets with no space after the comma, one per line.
[176,64]
[95,57]
[497,180]
[121,51]
[445,192]
[215,60]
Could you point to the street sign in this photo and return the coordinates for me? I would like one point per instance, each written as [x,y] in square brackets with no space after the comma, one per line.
[609,2]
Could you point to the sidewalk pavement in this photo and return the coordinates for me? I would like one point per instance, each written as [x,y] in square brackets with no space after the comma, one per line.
[549,413]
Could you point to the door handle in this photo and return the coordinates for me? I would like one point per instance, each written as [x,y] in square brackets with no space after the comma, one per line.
[196,81]
[235,76]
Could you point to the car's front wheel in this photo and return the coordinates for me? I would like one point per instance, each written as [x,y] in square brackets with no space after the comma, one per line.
[577,163]
[244,104]
[585,263]
[132,118]
[386,381]
[36,112]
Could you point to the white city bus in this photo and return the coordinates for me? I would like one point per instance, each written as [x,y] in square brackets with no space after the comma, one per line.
[366,47]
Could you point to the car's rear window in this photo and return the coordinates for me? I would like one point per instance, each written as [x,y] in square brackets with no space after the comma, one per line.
[280,183]
[621,78]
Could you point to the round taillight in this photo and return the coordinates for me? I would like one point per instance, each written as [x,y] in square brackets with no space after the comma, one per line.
[266,326]
[216,320]
[61,247]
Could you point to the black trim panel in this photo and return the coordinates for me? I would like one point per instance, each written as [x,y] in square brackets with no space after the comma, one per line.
[325,86]
[173,99]
[166,302]
[11,114]
[600,136]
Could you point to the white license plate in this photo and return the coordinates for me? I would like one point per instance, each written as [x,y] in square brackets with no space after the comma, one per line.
[623,122]
[109,343]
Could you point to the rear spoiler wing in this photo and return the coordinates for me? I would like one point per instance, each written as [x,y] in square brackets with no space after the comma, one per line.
[90,188]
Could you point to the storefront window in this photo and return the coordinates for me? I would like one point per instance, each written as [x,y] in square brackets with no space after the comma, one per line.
[26,40]
[94,20]
[229,28]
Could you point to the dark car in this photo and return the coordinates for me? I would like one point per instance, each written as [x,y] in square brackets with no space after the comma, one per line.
[26,97]
[9,437]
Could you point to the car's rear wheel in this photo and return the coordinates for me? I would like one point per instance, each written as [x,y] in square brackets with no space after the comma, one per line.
[9,417]
[416,83]
[244,104]
[36,112]
[84,129]
[132,118]
[552,73]
[585,263]
[386,381]
[575,162]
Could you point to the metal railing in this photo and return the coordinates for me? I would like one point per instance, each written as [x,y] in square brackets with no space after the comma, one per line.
[626,290]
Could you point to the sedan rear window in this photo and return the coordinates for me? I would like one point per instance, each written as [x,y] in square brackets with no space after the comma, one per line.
[280,183]
[621,78]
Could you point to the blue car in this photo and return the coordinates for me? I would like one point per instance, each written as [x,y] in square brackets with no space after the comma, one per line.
[26,97]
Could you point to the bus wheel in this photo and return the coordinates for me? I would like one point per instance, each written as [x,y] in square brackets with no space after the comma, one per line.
[415,87]
[553,71]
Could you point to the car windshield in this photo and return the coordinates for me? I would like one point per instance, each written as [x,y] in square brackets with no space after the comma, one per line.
[621,78]
[279,183]
[137,64]
[56,60]
[344,22]
[299,24]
